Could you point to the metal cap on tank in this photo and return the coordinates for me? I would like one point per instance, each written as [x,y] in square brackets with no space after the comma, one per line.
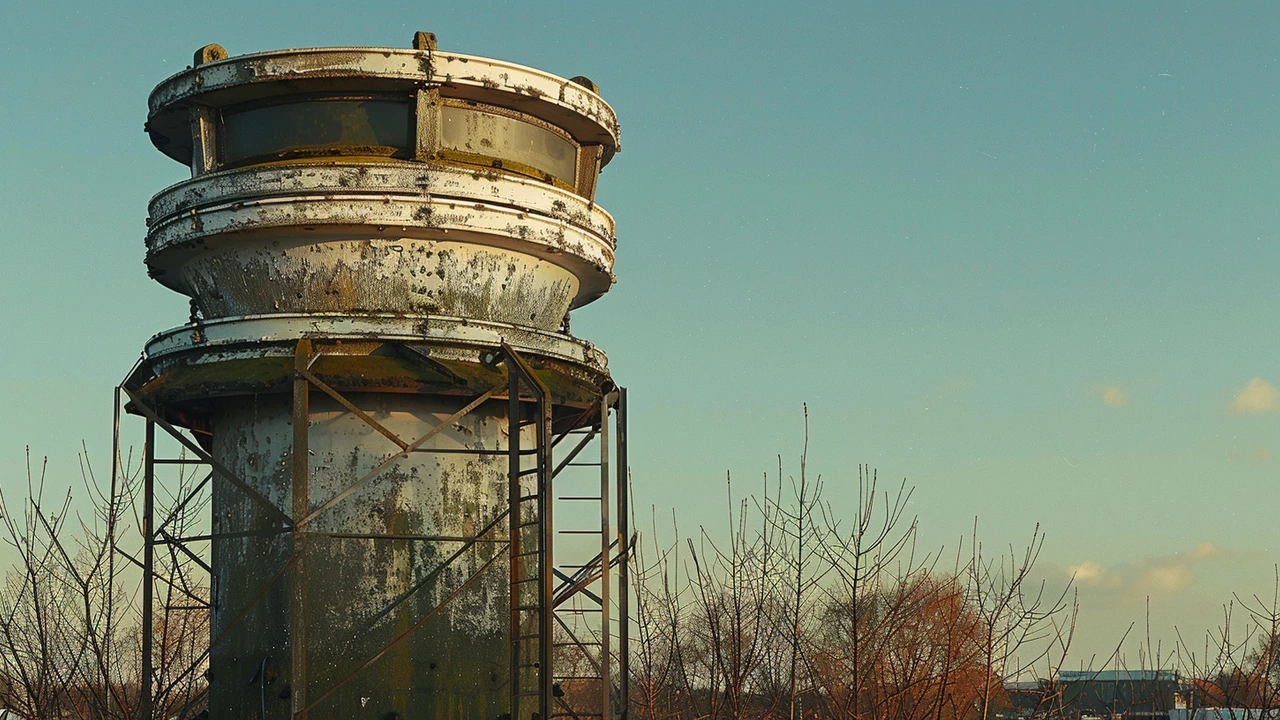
[406,181]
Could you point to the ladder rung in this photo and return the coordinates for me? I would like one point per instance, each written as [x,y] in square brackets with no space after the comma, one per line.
[579,610]
[525,580]
[579,532]
[530,471]
[527,637]
[525,608]
[594,464]
[524,498]
[579,497]
[529,524]
[577,677]
[575,644]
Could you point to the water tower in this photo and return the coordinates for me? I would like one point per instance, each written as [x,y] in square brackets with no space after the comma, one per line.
[381,248]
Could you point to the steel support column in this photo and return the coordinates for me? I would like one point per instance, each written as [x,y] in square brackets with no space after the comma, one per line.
[606,681]
[146,692]
[623,472]
[546,558]
[301,470]
[514,520]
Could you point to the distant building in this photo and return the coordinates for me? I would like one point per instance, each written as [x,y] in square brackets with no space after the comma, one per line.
[1102,694]
[1136,694]
[1027,700]
[1115,693]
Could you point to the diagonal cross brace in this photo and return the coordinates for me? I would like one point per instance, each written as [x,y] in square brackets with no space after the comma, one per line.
[590,573]
[573,454]
[568,581]
[405,453]
[244,487]
[432,575]
[173,515]
[311,378]
[421,621]
[525,372]
[243,611]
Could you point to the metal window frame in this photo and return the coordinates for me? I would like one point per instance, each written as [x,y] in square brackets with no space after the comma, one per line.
[425,107]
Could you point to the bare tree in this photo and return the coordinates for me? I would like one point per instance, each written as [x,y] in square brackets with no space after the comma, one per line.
[656,657]
[1239,665]
[729,626]
[1016,615]
[861,611]
[802,541]
[70,630]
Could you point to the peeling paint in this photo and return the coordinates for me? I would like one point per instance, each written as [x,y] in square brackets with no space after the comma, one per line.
[447,663]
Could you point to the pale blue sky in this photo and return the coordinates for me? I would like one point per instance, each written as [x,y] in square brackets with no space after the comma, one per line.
[947,229]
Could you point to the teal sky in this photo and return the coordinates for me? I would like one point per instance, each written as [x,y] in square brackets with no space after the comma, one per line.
[1022,254]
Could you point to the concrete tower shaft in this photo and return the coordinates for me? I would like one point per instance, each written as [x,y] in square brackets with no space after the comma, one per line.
[381,248]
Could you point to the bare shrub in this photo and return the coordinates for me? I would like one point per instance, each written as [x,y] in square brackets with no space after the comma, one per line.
[70,620]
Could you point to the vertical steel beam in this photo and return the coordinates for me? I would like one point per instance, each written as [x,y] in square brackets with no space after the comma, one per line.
[427,119]
[546,587]
[301,463]
[606,682]
[148,569]
[514,519]
[204,152]
[623,471]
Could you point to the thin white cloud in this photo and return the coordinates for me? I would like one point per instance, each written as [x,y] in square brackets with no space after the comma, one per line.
[1147,576]
[1171,578]
[1112,395]
[1258,397]
[1089,573]
[1172,573]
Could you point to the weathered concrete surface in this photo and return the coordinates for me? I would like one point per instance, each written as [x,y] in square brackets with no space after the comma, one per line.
[454,667]
[373,275]
[360,238]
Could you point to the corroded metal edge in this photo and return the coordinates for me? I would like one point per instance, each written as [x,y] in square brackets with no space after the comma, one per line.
[564,103]
[538,235]
[474,208]
[186,367]
[467,184]
[253,330]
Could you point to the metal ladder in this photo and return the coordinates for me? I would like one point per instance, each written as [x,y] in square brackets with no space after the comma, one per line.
[543,620]
[584,633]
[530,551]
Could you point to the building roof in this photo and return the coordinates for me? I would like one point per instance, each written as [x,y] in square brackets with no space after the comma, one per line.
[1113,676]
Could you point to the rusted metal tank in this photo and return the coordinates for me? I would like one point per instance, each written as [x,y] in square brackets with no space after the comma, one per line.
[367,236]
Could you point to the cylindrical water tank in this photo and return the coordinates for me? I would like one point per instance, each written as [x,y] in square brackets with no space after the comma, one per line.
[404,215]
